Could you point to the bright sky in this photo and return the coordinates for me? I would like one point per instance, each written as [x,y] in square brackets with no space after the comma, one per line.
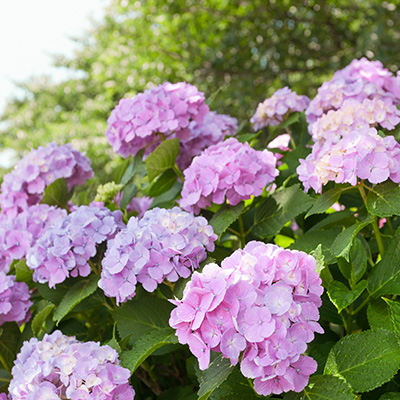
[32,30]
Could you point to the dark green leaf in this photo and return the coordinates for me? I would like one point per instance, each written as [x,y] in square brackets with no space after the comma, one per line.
[325,201]
[324,387]
[9,339]
[168,196]
[385,276]
[278,209]
[145,346]
[379,315]
[132,167]
[366,360]
[390,396]
[395,314]
[213,376]
[128,194]
[225,216]
[74,296]
[341,296]
[164,182]
[384,199]
[57,194]
[44,310]
[162,158]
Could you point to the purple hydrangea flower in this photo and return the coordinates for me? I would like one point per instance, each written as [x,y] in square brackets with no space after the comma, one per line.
[166,110]
[20,233]
[65,249]
[275,109]
[210,131]
[229,170]
[163,244]
[60,367]
[25,184]
[262,301]
[361,79]
[14,300]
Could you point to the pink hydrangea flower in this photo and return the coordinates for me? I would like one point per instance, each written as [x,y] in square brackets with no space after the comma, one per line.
[167,110]
[231,171]
[262,301]
[60,367]
[275,109]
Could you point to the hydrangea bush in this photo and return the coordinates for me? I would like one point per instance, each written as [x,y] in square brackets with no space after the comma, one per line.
[217,264]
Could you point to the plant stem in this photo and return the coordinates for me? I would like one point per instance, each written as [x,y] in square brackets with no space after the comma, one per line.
[291,138]
[178,172]
[361,306]
[242,232]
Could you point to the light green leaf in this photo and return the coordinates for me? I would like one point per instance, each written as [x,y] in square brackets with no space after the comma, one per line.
[225,216]
[74,296]
[213,376]
[162,158]
[326,200]
[22,272]
[395,314]
[57,194]
[44,310]
[324,387]
[366,360]
[278,209]
[379,315]
[341,296]
[384,199]
[145,345]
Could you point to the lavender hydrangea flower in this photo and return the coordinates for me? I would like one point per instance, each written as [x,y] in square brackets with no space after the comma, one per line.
[25,184]
[167,109]
[275,109]
[362,154]
[210,131]
[229,170]
[163,244]
[361,79]
[262,301]
[14,300]
[66,249]
[61,367]
[19,234]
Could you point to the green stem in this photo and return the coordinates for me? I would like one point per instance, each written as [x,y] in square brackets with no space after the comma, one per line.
[361,306]
[94,268]
[291,138]
[242,232]
[178,172]
[234,232]
[390,226]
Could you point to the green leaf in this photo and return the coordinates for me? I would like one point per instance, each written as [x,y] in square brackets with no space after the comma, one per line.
[74,296]
[213,376]
[379,315]
[390,396]
[128,194]
[162,158]
[145,345]
[132,167]
[341,296]
[324,387]
[325,201]
[319,258]
[57,194]
[168,196]
[385,276]
[342,244]
[366,360]
[384,200]
[225,216]
[44,310]
[22,272]
[293,118]
[9,339]
[164,182]
[138,317]
[395,314]
[278,209]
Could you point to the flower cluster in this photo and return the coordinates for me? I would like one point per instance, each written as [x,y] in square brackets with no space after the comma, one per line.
[362,153]
[353,115]
[230,170]
[275,109]
[19,234]
[263,301]
[66,249]
[211,131]
[163,244]
[14,300]
[25,184]
[61,367]
[166,109]
[360,80]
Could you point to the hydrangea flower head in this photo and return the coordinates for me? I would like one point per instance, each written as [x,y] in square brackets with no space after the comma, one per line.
[25,184]
[14,300]
[66,249]
[210,131]
[275,109]
[167,109]
[361,79]
[262,301]
[61,367]
[229,170]
[163,244]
